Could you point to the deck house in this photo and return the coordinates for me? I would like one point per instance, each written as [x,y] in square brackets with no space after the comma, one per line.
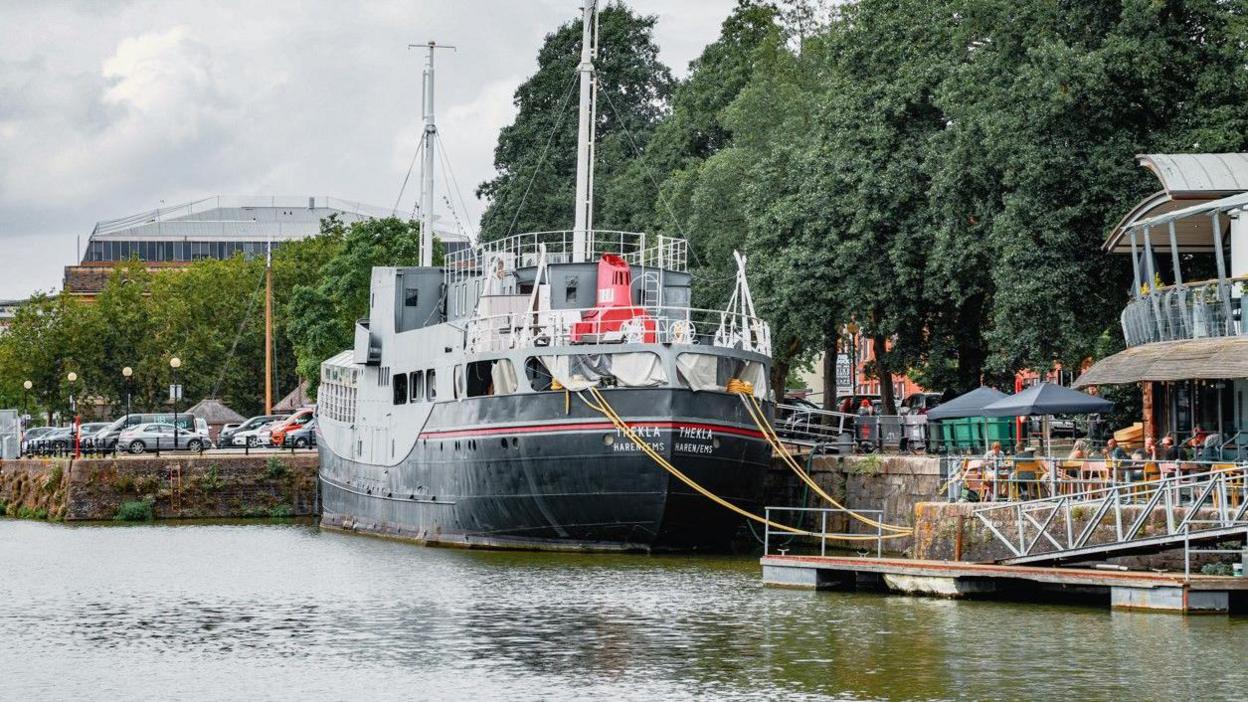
[1185,322]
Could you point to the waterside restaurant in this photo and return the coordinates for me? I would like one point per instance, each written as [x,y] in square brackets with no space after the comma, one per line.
[1186,322]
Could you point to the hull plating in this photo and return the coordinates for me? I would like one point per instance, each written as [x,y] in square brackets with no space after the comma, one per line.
[519,471]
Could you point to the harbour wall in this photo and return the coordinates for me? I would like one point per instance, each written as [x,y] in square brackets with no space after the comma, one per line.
[168,487]
[894,484]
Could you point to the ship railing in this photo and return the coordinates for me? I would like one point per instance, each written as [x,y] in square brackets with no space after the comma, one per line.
[524,250]
[683,326]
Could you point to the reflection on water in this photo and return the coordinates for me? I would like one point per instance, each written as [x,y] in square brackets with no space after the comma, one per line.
[289,612]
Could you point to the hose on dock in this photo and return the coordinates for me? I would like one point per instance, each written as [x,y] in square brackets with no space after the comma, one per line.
[756,413]
[601,405]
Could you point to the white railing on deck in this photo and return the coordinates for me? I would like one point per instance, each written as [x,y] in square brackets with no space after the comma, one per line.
[665,325]
[523,250]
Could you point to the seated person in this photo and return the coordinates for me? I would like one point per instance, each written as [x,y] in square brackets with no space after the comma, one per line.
[1113,451]
[1168,451]
[1079,451]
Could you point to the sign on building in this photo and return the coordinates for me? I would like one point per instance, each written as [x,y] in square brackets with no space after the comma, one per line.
[844,374]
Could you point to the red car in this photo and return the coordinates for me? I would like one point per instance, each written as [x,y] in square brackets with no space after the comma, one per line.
[278,436]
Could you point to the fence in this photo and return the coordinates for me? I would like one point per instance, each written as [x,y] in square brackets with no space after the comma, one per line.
[10,434]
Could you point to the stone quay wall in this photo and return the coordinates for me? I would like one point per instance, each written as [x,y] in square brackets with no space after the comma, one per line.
[176,487]
[894,484]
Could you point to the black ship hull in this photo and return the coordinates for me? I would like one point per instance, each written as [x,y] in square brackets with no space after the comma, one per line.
[547,472]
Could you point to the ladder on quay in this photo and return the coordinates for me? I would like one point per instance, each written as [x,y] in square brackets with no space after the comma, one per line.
[1204,507]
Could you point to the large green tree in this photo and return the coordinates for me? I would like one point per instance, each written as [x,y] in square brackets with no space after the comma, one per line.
[536,155]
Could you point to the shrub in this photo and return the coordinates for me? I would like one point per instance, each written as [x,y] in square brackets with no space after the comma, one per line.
[28,513]
[124,483]
[54,479]
[274,468]
[136,511]
[212,479]
[281,512]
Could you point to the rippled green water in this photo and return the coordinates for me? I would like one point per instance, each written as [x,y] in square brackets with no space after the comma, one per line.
[290,612]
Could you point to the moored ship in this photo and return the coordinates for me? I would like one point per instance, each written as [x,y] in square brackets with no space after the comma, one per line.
[460,415]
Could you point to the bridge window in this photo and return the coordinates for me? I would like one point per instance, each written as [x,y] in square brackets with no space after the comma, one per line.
[417,386]
[484,378]
[431,385]
[400,389]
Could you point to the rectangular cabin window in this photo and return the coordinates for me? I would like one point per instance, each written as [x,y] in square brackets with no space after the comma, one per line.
[457,382]
[431,385]
[411,297]
[485,378]
[400,389]
[417,386]
[569,292]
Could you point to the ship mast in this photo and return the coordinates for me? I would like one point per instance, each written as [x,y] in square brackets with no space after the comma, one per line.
[268,327]
[584,221]
[426,191]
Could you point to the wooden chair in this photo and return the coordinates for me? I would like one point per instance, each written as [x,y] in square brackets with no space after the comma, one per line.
[1026,480]
[1094,475]
[1234,484]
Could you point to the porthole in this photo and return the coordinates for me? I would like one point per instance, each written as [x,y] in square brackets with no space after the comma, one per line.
[608,439]
[503,441]
[715,442]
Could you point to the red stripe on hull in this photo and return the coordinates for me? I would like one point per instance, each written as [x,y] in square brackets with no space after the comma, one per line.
[584,426]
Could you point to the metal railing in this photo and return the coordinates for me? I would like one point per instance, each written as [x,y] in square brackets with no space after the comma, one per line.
[822,533]
[682,326]
[1206,309]
[1211,501]
[524,250]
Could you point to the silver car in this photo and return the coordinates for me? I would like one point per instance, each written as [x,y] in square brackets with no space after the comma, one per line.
[160,436]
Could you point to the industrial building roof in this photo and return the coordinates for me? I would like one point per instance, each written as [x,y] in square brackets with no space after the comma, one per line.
[234,218]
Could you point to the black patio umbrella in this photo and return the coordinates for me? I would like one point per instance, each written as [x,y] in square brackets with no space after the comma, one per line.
[970,404]
[1045,399]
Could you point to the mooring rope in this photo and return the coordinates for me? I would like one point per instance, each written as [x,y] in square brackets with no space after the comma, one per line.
[601,405]
[760,419]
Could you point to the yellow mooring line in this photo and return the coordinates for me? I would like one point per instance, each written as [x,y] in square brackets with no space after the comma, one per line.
[602,406]
[760,418]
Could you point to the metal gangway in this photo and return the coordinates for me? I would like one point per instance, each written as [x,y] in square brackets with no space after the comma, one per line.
[819,430]
[1148,516]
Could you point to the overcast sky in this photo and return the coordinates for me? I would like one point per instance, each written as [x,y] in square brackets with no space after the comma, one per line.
[109,108]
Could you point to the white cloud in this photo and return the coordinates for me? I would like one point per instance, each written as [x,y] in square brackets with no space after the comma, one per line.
[108,109]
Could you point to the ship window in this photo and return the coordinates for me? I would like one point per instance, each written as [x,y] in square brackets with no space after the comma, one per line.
[431,385]
[569,293]
[417,385]
[400,389]
[411,297]
[539,377]
[490,378]
[457,382]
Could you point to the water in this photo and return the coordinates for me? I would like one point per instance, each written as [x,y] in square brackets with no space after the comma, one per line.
[285,611]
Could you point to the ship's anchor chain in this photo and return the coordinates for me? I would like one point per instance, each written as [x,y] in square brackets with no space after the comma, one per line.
[601,405]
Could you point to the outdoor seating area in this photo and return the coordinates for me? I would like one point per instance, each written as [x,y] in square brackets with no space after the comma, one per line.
[1025,476]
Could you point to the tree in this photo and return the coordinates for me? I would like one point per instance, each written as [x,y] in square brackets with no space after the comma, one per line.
[321,316]
[536,155]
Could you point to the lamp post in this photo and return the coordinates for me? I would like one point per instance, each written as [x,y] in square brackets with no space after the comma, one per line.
[175,363]
[26,386]
[72,377]
[127,373]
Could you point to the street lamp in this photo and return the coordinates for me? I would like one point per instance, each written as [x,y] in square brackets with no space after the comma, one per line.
[175,363]
[26,386]
[72,377]
[127,372]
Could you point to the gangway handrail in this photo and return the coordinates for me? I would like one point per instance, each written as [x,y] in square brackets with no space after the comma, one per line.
[1224,489]
[823,534]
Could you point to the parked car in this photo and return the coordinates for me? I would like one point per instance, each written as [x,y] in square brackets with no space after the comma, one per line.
[245,434]
[106,438]
[919,403]
[59,439]
[161,436]
[296,420]
[301,437]
[88,431]
[33,436]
